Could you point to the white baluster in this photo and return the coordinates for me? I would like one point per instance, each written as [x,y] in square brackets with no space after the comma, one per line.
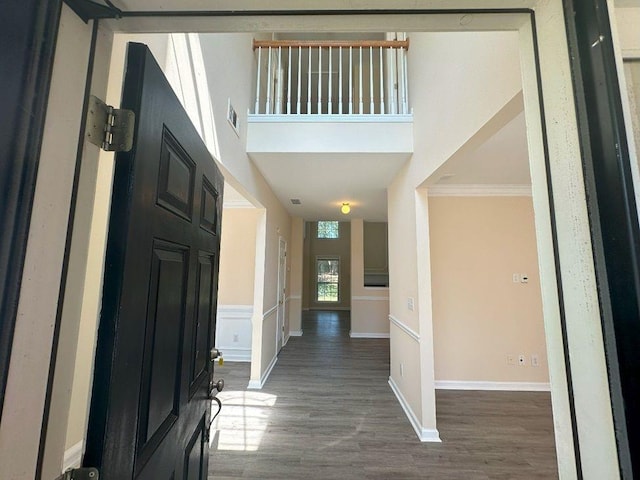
[268,103]
[401,80]
[257,109]
[309,85]
[299,79]
[360,100]
[289,84]
[340,81]
[278,100]
[381,83]
[371,105]
[393,90]
[329,85]
[350,80]
[319,80]
[406,84]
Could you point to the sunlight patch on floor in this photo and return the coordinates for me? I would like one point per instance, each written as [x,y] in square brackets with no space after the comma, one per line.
[243,420]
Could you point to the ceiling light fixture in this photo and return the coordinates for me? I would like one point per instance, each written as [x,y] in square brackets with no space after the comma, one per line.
[346,208]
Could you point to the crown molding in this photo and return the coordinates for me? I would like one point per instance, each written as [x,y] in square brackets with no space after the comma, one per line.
[479,190]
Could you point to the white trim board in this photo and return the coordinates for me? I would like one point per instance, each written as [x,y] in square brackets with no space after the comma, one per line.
[257,385]
[493,386]
[404,328]
[372,298]
[479,190]
[235,311]
[295,333]
[368,335]
[330,118]
[73,456]
[424,434]
[269,312]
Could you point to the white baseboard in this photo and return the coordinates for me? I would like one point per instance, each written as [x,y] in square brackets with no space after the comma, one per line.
[368,335]
[257,385]
[286,340]
[424,434]
[233,354]
[296,333]
[73,456]
[493,386]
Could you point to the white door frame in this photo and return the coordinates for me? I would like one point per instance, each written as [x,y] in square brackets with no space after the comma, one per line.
[574,252]
[281,299]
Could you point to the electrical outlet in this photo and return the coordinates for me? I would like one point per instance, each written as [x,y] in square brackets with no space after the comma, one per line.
[524,278]
[516,278]
[535,360]
[511,360]
[410,303]
[402,370]
[522,360]
[235,338]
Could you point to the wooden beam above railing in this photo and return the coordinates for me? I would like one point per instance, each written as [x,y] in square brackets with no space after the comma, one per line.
[397,44]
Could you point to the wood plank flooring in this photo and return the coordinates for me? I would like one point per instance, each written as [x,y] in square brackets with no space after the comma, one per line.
[327,412]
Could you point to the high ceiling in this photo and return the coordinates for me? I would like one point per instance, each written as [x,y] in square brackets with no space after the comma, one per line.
[322,182]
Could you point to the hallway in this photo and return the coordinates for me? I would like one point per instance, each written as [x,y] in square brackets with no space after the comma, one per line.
[327,412]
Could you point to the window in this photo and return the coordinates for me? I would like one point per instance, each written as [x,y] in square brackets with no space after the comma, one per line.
[328,279]
[328,230]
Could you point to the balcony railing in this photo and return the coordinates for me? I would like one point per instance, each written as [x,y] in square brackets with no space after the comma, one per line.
[331,77]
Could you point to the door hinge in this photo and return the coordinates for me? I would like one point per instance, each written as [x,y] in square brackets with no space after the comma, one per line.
[80,474]
[109,128]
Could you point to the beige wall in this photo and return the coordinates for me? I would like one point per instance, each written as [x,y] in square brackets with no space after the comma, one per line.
[340,247]
[237,256]
[369,305]
[480,316]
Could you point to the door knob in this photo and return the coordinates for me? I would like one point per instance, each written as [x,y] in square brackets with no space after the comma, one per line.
[216,386]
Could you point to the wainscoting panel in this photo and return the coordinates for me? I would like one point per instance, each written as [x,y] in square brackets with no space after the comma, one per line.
[233,332]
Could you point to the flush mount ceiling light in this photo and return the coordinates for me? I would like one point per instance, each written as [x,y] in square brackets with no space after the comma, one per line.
[346,208]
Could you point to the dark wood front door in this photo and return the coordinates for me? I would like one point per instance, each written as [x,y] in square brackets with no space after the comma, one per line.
[150,409]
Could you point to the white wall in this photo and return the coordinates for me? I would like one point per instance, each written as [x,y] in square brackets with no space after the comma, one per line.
[24,401]
[230,71]
[457,82]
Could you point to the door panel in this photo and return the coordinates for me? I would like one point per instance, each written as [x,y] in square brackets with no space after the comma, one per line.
[204,304]
[194,454]
[150,408]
